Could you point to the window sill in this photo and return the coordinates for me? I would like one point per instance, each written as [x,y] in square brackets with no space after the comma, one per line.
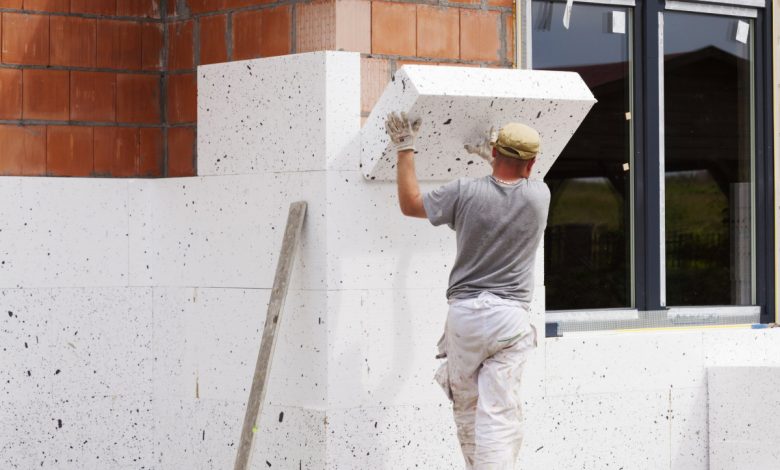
[672,317]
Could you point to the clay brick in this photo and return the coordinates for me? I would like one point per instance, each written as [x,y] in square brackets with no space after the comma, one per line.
[246,40]
[276,32]
[213,47]
[69,151]
[22,150]
[72,41]
[509,38]
[501,3]
[181,151]
[11,93]
[140,8]
[401,63]
[11,4]
[479,35]
[393,28]
[94,7]
[138,98]
[181,50]
[119,44]
[374,75]
[62,6]
[245,3]
[203,6]
[152,46]
[182,98]
[46,94]
[116,151]
[315,26]
[150,158]
[92,96]
[25,39]
[262,33]
[171,9]
[353,26]
[438,32]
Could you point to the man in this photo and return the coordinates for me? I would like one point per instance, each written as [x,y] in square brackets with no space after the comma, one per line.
[499,221]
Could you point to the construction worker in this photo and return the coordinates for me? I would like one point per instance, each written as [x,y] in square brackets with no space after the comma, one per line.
[499,220]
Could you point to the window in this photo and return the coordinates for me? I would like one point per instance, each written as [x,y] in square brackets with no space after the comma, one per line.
[660,201]
[588,237]
[708,155]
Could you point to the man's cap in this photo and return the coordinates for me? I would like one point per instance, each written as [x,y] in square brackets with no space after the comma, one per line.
[517,140]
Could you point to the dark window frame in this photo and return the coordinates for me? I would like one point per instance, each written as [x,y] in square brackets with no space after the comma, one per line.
[646,168]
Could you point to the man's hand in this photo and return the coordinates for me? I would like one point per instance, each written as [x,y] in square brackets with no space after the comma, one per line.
[402,132]
[483,148]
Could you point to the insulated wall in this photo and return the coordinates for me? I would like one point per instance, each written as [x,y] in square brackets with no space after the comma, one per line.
[132,312]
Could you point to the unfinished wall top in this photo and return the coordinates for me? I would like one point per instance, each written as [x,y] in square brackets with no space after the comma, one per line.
[460,104]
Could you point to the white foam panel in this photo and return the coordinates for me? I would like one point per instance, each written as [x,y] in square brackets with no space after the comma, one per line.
[460,104]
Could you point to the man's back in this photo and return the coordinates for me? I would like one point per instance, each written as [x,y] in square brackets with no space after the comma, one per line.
[498,229]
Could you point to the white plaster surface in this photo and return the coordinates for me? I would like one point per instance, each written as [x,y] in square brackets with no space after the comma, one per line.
[744,417]
[460,104]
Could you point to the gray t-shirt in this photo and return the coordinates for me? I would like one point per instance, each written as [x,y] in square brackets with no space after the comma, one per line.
[498,228]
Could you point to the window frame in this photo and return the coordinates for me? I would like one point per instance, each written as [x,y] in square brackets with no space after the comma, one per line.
[647,232]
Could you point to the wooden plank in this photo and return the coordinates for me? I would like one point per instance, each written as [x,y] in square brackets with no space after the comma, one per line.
[268,342]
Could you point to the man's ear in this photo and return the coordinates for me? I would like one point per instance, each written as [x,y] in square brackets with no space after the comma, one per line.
[531,164]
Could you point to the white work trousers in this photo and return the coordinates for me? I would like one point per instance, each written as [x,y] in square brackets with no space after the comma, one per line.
[487,340]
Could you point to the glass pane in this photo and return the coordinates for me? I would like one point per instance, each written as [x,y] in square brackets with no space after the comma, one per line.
[708,134]
[588,237]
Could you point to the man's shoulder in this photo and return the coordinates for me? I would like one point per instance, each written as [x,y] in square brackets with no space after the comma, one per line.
[540,186]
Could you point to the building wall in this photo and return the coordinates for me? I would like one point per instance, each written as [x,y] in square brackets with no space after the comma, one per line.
[132,312]
[81,83]
[108,88]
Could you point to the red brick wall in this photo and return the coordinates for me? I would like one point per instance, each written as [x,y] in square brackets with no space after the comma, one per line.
[476,33]
[203,32]
[80,88]
[108,87]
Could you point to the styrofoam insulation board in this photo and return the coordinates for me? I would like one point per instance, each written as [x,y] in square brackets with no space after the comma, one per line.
[460,104]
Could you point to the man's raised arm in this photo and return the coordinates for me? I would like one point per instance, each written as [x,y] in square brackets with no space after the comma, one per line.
[402,134]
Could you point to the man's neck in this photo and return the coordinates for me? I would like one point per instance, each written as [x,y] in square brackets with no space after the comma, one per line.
[509,174]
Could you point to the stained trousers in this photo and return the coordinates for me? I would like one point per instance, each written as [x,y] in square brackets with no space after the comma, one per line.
[487,341]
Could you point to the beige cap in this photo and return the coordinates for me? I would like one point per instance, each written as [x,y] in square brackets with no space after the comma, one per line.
[517,140]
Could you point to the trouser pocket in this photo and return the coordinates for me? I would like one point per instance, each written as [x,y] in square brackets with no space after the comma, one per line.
[442,377]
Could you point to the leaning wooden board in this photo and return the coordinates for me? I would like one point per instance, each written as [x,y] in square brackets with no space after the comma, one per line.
[268,342]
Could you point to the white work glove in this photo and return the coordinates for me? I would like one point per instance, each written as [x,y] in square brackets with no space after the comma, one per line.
[483,148]
[402,132]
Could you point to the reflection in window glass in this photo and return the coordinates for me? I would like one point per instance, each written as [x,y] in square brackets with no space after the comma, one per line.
[588,240]
[708,154]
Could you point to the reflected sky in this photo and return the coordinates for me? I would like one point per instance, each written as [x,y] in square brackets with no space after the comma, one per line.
[596,44]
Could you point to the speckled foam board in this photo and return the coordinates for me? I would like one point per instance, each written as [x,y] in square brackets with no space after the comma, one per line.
[460,104]
[744,417]
[50,235]
[290,113]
